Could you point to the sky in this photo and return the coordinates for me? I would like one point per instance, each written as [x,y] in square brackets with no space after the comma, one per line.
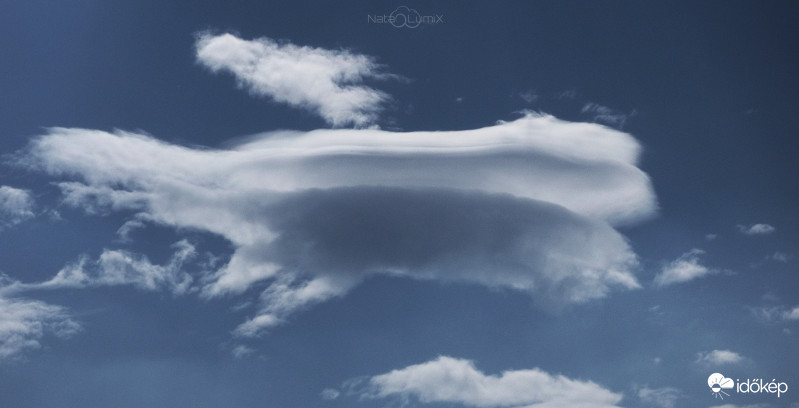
[382,204]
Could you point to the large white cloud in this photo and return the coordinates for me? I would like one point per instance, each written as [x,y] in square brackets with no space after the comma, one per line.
[23,324]
[451,380]
[526,205]
[327,82]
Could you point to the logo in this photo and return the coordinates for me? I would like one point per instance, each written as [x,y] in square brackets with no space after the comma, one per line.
[405,17]
[718,383]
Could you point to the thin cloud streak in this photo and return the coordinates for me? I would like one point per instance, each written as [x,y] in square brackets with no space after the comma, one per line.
[718,357]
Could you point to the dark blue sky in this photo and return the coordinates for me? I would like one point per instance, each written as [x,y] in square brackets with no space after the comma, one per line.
[708,91]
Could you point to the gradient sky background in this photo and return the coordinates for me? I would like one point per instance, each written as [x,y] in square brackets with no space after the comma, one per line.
[708,90]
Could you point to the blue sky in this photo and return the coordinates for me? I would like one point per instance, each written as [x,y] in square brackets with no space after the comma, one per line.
[549,204]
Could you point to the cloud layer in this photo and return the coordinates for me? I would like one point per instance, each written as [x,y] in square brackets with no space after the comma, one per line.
[526,205]
[451,380]
[327,82]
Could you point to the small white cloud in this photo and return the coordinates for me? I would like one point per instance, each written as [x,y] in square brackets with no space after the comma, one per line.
[241,351]
[257,325]
[24,323]
[451,380]
[756,229]
[779,257]
[792,314]
[327,82]
[330,394]
[683,269]
[718,357]
[16,205]
[711,237]
[665,397]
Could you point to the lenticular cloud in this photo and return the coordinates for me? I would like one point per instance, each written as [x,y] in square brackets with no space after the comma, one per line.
[527,205]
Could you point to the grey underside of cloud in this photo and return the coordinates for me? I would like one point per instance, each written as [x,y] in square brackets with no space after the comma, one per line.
[450,235]
[526,205]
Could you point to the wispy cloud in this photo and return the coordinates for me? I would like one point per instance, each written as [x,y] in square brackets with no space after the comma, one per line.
[526,205]
[16,205]
[718,357]
[330,394]
[606,115]
[327,82]
[756,229]
[685,268]
[241,351]
[117,267]
[458,381]
[567,94]
[529,96]
[24,323]
[779,257]
[775,314]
